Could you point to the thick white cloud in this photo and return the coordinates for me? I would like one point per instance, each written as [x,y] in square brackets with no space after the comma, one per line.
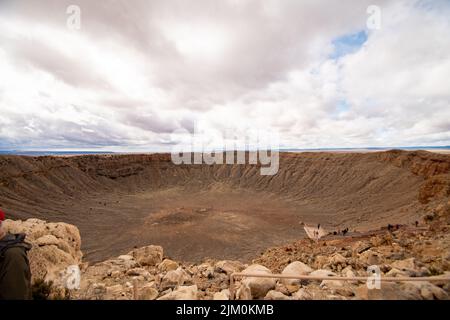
[400,76]
[138,70]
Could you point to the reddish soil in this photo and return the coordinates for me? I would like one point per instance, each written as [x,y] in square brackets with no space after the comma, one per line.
[220,211]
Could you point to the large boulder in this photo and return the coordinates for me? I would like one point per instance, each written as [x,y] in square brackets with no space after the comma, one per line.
[55,247]
[182,293]
[148,292]
[407,265]
[321,273]
[114,292]
[427,290]
[339,287]
[258,286]
[124,261]
[387,291]
[302,294]
[167,265]
[174,278]
[275,295]
[206,270]
[394,272]
[370,258]
[295,268]
[337,259]
[228,266]
[148,256]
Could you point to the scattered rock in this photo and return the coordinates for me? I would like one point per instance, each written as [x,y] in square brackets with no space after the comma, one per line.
[302,294]
[281,288]
[167,265]
[406,252]
[206,270]
[337,287]
[99,288]
[148,256]
[321,261]
[387,291]
[228,266]
[408,266]
[181,293]
[114,291]
[137,272]
[322,273]
[348,272]
[222,295]
[338,259]
[332,284]
[258,286]
[361,246]
[293,288]
[275,295]
[148,293]
[370,258]
[174,278]
[427,290]
[295,268]
[394,272]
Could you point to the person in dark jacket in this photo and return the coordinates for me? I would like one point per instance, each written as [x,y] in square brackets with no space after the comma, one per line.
[15,274]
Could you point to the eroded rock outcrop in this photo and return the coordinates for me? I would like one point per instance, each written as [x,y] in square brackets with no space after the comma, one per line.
[55,246]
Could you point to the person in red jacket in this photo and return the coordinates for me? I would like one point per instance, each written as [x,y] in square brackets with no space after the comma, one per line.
[15,274]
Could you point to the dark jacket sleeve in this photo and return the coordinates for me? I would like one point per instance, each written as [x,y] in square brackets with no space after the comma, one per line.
[15,276]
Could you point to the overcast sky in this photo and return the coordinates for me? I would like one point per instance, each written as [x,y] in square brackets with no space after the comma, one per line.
[136,71]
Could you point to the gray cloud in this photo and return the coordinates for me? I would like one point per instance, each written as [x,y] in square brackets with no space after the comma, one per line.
[138,70]
[72,70]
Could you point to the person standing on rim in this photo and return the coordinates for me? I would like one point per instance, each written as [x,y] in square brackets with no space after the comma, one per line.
[15,274]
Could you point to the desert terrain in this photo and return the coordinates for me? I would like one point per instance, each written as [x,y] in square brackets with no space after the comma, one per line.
[121,202]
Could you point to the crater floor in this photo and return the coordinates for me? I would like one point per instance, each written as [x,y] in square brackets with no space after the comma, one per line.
[225,212]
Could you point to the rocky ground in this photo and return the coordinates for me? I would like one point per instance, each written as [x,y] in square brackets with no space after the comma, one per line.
[146,273]
[54,246]
[198,211]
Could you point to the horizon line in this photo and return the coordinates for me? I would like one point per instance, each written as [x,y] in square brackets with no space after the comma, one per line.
[285,149]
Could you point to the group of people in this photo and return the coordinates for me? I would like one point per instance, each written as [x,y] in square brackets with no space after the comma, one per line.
[395,227]
[15,274]
[315,233]
[340,232]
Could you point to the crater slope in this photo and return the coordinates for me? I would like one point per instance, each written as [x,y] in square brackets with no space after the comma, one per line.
[220,211]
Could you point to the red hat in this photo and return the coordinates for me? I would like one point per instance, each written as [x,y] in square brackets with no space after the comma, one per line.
[2,215]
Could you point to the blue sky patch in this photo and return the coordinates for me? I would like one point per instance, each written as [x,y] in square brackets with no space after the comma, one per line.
[348,44]
[342,106]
